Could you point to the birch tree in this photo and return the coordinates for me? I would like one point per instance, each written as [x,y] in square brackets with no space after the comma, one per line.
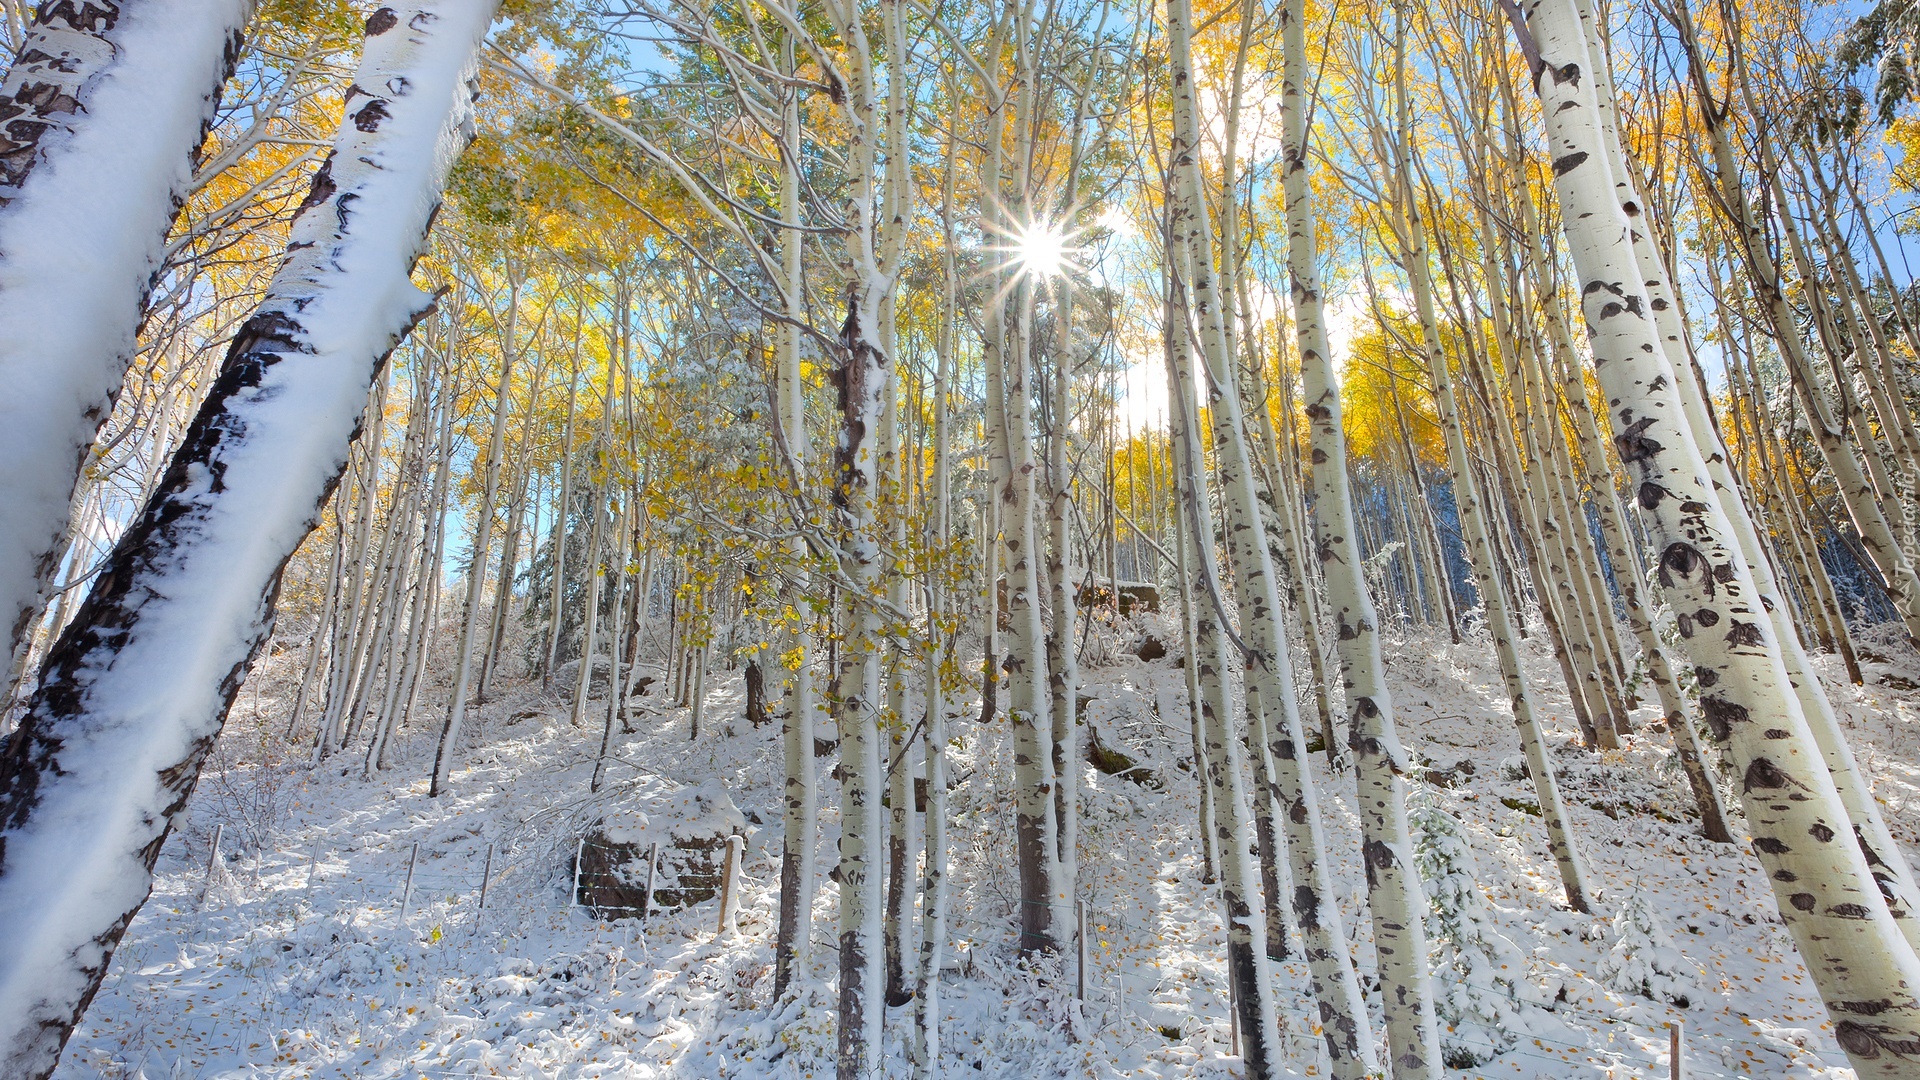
[117,733]
[101,117]
[1864,968]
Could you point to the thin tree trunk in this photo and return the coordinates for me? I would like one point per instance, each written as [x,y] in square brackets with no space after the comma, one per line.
[1379,760]
[793,947]
[1474,522]
[450,733]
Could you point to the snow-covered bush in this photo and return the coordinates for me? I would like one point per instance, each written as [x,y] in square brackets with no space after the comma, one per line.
[1479,976]
[1643,959]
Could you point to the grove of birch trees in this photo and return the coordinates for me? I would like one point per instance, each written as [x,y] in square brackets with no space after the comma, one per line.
[882,350]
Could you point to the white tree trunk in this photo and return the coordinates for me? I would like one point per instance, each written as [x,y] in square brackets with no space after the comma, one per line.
[101,116]
[793,952]
[1852,945]
[1478,530]
[136,691]
[1380,761]
[450,732]
[1883,855]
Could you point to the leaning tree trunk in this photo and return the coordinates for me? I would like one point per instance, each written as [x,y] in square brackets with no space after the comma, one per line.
[1476,525]
[1884,858]
[1865,970]
[137,690]
[101,115]
[1626,568]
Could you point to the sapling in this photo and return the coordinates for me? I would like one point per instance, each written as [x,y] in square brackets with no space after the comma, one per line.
[1479,975]
[1643,959]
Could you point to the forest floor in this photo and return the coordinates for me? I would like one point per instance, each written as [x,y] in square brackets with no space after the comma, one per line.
[299,961]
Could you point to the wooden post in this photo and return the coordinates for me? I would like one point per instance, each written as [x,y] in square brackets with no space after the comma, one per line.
[1674,1042]
[1080,932]
[653,869]
[213,863]
[406,893]
[579,857]
[486,879]
[729,884]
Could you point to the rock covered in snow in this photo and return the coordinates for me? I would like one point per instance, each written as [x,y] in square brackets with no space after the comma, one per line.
[687,830]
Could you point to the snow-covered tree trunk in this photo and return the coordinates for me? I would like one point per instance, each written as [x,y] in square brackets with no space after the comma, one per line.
[1379,760]
[1865,970]
[1029,709]
[366,482]
[1182,565]
[136,691]
[101,116]
[1627,569]
[1063,642]
[925,1046]
[557,583]
[1857,491]
[1242,911]
[1882,853]
[864,375]
[595,572]
[864,379]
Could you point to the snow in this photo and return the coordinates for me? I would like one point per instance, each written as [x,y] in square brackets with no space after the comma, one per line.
[698,812]
[287,975]
[78,246]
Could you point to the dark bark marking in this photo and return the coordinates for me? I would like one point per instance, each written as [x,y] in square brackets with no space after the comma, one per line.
[1635,446]
[1720,715]
[1564,165]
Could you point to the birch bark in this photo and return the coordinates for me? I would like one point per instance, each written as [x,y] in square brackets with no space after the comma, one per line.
[1866,971]
[1379,760]
[136,690]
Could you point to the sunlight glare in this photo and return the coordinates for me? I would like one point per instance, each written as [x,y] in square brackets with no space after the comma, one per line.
[1042,250]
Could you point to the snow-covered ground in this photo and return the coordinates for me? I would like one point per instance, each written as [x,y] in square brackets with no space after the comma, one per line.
[300,963]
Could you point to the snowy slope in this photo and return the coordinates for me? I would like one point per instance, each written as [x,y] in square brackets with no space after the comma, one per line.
[299,964]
